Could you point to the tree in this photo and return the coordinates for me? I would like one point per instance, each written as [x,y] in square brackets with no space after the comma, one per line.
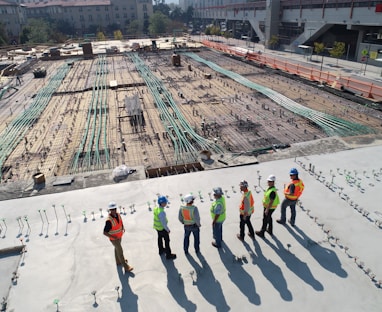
[118,35]
[36,31]
[100,36]
[189,14]
[132,28]
[158,23]
[177,14]
[274,41]
[3,35]
[162,8]
[338,50]
[319,48]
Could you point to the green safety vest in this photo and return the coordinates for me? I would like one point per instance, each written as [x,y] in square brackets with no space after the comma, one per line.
[157,224]
[221,201]
[267,199]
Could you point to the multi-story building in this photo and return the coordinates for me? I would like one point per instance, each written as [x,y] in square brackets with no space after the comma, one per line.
[82,15]
[294,23]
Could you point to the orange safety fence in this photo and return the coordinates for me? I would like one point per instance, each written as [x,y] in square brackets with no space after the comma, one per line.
[330,78]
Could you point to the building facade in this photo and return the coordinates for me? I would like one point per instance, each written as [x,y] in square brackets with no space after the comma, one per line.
[82,15]
[358,23]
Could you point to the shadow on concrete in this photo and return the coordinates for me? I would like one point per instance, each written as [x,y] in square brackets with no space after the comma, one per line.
[175,285]
[243,281]
[127,299]
[325,257]
[295,265]
[271,271]
[208,286]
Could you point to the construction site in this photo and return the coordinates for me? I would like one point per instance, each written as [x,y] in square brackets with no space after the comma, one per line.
[164,109]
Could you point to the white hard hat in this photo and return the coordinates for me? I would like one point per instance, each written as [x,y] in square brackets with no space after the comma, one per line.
[271,178]
[112,205]
[189,198]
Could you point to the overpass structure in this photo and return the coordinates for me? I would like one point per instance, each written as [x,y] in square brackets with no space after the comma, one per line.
[296,22]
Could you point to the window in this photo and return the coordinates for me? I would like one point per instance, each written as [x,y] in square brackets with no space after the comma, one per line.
[90,17]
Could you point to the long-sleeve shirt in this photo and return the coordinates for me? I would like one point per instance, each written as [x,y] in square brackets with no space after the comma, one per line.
[196,216]
[163,220]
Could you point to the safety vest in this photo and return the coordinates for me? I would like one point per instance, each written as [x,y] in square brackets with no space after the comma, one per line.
[157,224]
[267,199]
[116,227]
[247,194]
[221,217]
[188,215]
[298,188]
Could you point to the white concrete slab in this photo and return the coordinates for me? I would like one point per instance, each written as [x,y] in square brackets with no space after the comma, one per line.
[314,266]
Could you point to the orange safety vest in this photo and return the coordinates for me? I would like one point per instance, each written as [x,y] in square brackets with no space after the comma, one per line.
[247,194]
[188,215]
[116,227]
[298,188]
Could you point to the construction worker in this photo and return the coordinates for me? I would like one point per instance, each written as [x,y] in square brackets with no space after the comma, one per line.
[246,210]
[114,229]
[270,202]
[160,224]
[189,217]
[218,212]
[292,193]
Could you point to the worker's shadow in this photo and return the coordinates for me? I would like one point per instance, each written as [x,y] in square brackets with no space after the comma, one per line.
[271,271]
[294,264]
[243,281]
[325,257]
[203,277]
[175,285]
[127,299]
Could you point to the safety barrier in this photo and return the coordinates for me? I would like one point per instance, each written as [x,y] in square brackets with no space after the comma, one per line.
[331,78]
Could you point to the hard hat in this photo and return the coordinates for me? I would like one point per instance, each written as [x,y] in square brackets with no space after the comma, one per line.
[162,199]
[218,190]
[293,171]
[189,198]
[243,183]
[112,205]
[271,178]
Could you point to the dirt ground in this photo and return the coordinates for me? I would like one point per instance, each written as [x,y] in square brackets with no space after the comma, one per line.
[238,119]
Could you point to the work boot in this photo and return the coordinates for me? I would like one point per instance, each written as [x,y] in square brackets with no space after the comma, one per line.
[270,232]
[281,222]
[171,256]
[260,233]
[290,222]
[251,235]
[239,237]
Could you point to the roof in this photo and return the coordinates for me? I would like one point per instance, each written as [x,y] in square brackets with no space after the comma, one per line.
[329,261]
[69,3]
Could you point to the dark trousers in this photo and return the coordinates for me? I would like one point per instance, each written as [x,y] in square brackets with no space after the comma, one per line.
[246,221]
[164,237]
[217,232]
[194,229]
[267,221]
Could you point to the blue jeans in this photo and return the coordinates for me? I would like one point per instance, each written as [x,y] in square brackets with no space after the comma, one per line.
[194,229]
[292,204]
[217,232]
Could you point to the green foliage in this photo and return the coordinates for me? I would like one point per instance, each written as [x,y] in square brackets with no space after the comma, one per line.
[100,36]
[319,47]
[36,31]
[118,35]
[338,50]
[158,23]
[133,28]
[162,8]
[3,35]
[213,30]
[274,41]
